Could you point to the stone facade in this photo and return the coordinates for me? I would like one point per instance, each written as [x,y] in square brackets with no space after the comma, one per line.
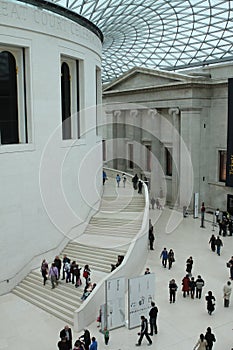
[153,114]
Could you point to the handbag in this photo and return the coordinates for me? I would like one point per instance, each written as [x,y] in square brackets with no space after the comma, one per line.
[228,264]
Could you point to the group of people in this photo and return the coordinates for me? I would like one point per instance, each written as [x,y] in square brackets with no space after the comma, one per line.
[167,257]
[71,273]
[119,178]
[216,244]
[205,342]
[225,223]
[84,342]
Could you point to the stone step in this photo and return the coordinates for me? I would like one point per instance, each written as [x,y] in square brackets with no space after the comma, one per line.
[67,318]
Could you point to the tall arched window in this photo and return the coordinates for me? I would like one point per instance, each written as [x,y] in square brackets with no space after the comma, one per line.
[9,128]
[66,101]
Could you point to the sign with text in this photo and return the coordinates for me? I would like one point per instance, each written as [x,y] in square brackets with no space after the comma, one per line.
[115,302]
[141,292]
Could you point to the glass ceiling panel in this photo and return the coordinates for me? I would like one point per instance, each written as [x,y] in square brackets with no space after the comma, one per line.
[159,34]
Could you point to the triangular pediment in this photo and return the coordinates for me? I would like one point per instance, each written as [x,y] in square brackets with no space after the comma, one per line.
[143,77]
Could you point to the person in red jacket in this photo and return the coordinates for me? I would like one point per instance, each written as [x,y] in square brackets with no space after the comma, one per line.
[186,285]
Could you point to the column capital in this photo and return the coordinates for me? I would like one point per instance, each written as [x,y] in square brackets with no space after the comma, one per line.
[174,110]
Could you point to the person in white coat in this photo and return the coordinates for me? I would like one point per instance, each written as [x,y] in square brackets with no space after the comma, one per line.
[227,293]
[201,343]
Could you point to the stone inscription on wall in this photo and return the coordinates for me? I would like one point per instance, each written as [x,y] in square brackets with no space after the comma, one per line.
[45,20]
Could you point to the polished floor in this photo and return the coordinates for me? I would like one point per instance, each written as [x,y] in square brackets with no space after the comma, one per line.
[26,327]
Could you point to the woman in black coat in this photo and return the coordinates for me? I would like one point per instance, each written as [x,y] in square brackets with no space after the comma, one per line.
[210,302]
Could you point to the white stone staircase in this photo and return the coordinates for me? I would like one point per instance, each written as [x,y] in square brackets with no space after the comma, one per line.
[107,235]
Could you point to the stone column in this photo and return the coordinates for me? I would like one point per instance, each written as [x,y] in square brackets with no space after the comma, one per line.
[174,112]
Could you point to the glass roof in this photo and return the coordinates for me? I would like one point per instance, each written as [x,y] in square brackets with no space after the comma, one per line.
[164,34]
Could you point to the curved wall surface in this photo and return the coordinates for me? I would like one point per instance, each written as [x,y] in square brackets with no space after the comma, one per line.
[51,172]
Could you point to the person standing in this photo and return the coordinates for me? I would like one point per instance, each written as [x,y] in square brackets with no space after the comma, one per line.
[62,344]
[86,339]
[53,274]
[227,293]
[106,336]
[104,177]
[57,262]
[153,318]
[217,213]
[65,260]
[171,258]
[210,302]
[151,238]
[152,202]
[202,215]
[144,331]
[140,184]
[135,181]
[230,265]
[118,180]
[199,285]
[210,338]
[192,286]
[67,334]
[94,344]
[44,270]
[201,343]
[212,242]
[172,291]
[189,265]
[218,244]
[164,256]
[185,285]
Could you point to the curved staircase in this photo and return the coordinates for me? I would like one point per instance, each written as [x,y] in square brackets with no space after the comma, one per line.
[107,235]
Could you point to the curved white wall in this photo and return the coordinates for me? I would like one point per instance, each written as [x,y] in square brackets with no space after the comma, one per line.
[49,186]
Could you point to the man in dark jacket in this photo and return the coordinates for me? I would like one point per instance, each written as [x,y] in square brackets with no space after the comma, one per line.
[144,331]
[210,338]
[67,334]
[153,318]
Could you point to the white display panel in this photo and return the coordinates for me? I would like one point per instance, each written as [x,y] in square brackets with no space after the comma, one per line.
[141,292]
[195,205]
[115,301]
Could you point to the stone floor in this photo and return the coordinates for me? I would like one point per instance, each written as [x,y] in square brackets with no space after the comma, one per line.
[26,327]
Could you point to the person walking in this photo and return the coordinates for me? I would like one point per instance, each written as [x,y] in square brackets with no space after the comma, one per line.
[118,180]
[199,285]
[185,285]
[172,291]
[144,331]
[153,318]
[210,302]
[189,265]
[202,215]
[201,343]
[212,242]
[64,261]
[87,274]
[164,256]
[44,270]
[57,262]
[218,244]
[53,274]
[210,338]
[171,258]
[227,293]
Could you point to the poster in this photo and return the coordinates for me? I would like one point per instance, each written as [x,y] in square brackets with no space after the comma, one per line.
[115,302]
